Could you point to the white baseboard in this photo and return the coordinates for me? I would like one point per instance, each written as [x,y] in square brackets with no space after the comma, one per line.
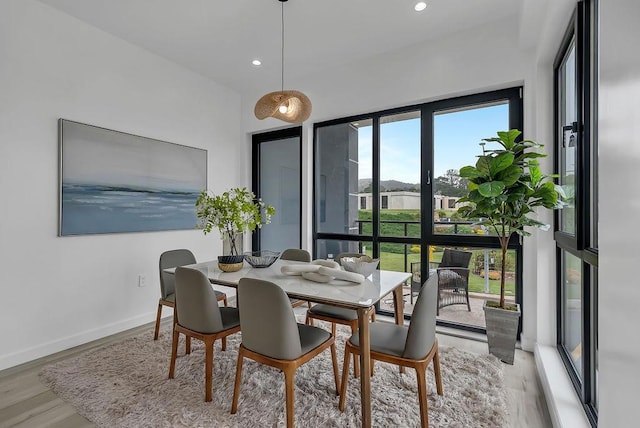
[565,408]
[30,354]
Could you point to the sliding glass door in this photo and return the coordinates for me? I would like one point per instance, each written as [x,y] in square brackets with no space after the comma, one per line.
[387,184]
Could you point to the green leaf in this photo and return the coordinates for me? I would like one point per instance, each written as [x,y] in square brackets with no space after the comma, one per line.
[500,162]
[530,155]
[469,172]
[535,174]
[509,137]
[510,175]
[491,189]
[483,165]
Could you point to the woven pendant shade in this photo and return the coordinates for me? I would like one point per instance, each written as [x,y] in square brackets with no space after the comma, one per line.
[290,106]
[298,106]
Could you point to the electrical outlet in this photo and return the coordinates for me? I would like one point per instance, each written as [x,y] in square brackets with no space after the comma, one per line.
[142,280]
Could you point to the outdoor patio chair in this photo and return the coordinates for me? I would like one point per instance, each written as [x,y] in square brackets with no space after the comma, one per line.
[453,279]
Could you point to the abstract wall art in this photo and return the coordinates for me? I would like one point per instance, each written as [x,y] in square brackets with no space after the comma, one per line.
[114,182]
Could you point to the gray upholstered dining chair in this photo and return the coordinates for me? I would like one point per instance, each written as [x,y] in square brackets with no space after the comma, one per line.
[413,346]
[297,255]
[337,315]
[271,336]
[200,317]
[171,259]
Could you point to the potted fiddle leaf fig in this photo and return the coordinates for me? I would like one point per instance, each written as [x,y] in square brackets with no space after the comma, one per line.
[232,213]
[505,187]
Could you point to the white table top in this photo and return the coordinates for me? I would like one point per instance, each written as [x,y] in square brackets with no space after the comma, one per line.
[342,293]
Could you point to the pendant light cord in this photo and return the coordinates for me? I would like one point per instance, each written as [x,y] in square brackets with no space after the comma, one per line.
[282,52]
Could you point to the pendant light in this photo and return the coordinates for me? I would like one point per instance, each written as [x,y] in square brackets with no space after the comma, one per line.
[290,106]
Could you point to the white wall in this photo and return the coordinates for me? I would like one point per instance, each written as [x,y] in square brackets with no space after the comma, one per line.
[60,292]
[619,157]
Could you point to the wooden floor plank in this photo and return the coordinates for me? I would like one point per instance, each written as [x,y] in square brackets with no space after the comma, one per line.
[73,421]
[36,411]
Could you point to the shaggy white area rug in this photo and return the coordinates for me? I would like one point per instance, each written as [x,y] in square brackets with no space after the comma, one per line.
[125,385]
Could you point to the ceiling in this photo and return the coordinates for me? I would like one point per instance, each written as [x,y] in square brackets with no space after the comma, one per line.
[219,39]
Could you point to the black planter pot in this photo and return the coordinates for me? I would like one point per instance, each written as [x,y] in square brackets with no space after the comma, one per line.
[231,259]
[232,263]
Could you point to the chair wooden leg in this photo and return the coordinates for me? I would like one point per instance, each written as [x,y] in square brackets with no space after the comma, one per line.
[174,353]
[224,343]
[155,334]
[422,395]
[308,320]
[208,370]
[236,386]
[345,379]
[289,375]
[356,360]
[226,302]
[334,362]
[187,345]
[436,371]
[309,304]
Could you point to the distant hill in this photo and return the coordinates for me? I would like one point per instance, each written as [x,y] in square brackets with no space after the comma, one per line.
[387,185]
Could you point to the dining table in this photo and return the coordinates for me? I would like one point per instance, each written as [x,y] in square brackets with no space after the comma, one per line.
[360,297]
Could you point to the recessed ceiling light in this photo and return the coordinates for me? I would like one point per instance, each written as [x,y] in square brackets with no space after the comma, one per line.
[420,6]
[256,63]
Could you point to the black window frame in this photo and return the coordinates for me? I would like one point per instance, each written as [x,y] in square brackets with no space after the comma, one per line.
[582,31]
[514,96]
[263,138]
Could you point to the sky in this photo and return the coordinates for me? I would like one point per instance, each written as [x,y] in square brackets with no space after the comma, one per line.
[457,135]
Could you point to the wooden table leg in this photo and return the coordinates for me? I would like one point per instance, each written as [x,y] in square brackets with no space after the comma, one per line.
[365,365]
[398,307]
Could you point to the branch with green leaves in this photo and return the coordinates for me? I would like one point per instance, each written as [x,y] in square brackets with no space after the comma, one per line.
[505,186]
[234,211]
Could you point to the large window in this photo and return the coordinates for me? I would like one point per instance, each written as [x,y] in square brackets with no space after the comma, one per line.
[387,184]
[577,224]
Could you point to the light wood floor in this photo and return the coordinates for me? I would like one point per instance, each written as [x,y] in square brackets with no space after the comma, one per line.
[26,402]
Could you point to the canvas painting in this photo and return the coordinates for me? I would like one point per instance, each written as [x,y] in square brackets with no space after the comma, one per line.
[113,182]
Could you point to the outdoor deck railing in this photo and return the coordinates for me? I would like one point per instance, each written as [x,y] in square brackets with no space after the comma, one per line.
[405,226]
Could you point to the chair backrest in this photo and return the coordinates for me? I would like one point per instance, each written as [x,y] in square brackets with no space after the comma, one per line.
[455,258]
[296,254]
[196,302]
[422,328]
[171,259]
[267,320]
